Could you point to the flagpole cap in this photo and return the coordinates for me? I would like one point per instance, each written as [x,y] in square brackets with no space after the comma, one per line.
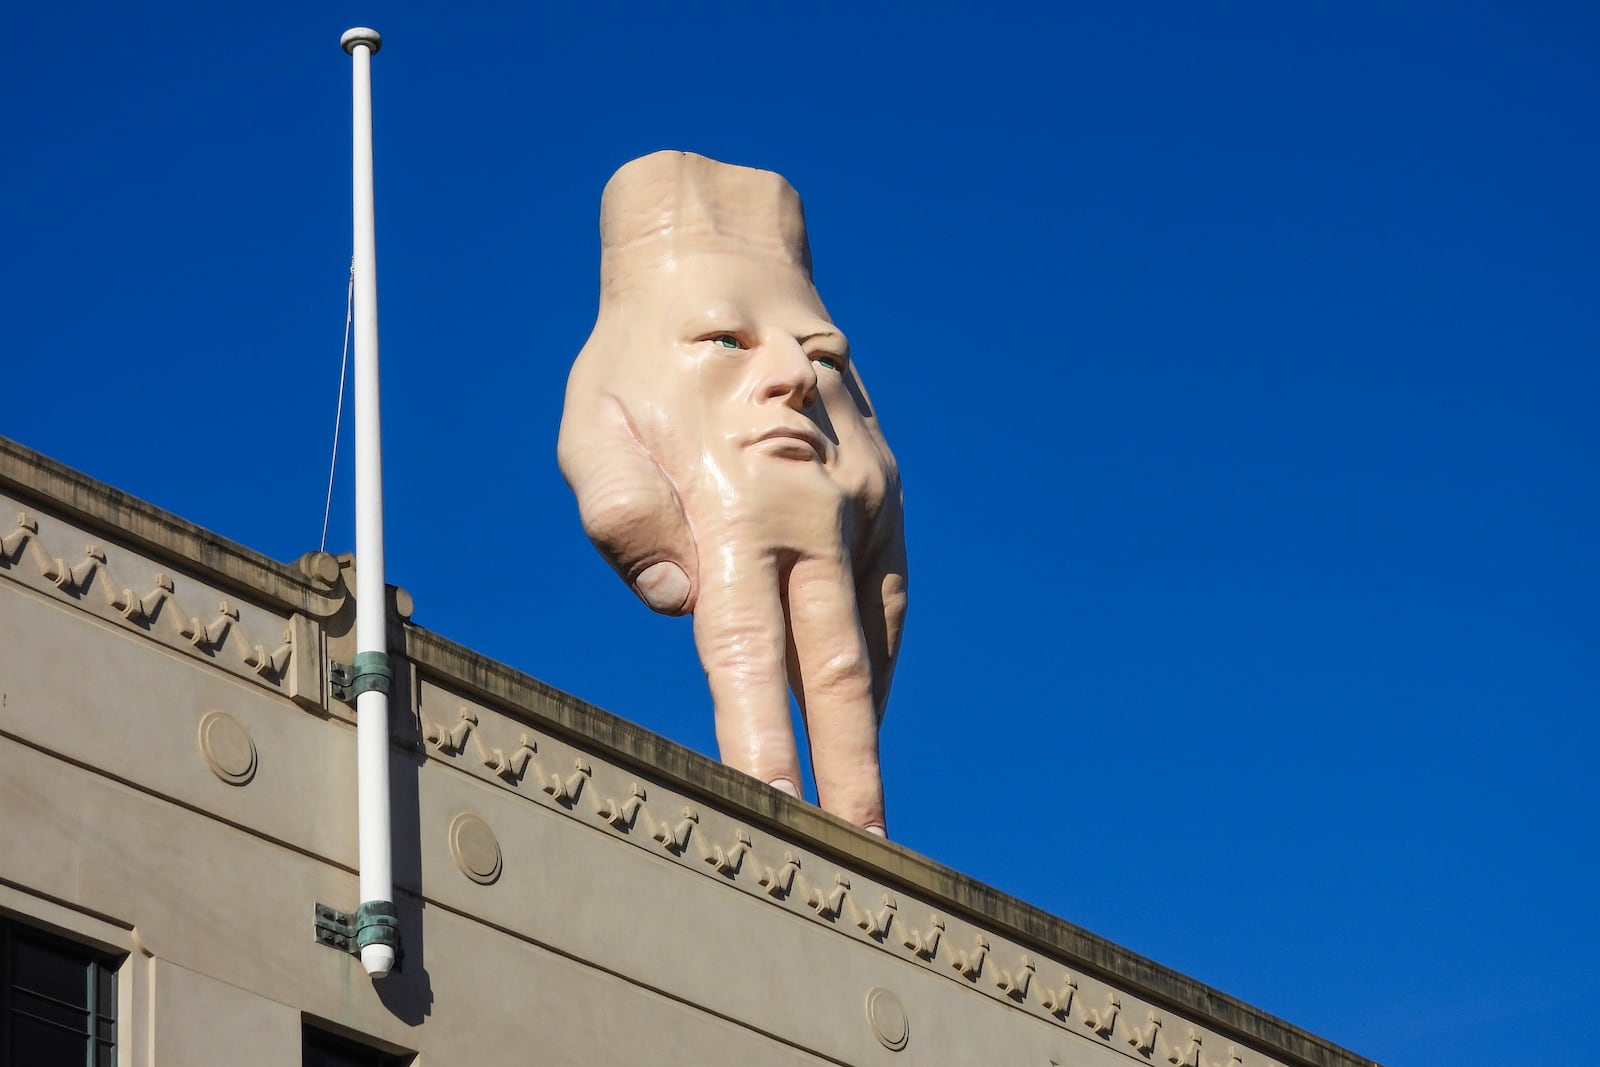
[360,35]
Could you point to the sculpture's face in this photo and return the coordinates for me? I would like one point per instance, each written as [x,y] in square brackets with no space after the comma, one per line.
[740,358]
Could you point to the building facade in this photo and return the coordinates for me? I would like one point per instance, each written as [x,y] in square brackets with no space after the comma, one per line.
[178,838]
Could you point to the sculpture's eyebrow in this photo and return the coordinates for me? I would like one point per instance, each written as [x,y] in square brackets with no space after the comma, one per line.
[723,317]
[721,312]
[831,335]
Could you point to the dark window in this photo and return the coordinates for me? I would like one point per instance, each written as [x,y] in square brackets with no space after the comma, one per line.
[322,1049]
[58,1001]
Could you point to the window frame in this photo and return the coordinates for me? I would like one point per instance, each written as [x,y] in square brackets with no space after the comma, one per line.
[338,1049]
[101,997]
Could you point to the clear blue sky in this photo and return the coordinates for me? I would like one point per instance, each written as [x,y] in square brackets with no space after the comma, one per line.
[1240,360]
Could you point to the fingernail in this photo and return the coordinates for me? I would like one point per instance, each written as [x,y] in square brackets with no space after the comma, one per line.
[663,586]
[876,829]
[783,785]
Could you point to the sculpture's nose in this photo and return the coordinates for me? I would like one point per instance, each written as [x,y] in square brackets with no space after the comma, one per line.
[788,375]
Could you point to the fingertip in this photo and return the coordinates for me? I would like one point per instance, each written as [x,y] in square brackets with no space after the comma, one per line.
[876,828]
[664,586]
[784,785]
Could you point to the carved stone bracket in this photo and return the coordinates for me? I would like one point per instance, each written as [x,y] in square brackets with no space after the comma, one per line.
[1143,1039]
[877,924]
[969,962]
[830,903]
[140,608]
[779,882]
[11,542]
[1188,1054]
[452,740]
[622,816]
[925,945]
[210,635]
[1103,1021]
[566,790]
[263,662]
[727,862]
[1058,1002]
[510,767]
[676,838]
[1015,983]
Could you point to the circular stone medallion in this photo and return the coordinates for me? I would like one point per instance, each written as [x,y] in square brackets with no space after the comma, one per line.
[887,1017]
[226,747]
[474,848]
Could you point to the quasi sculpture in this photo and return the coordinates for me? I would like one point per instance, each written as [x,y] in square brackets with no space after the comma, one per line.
[727,463]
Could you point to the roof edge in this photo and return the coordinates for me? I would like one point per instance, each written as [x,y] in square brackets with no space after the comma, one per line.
[160,532]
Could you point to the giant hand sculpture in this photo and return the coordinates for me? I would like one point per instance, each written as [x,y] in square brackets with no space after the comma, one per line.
[727,462]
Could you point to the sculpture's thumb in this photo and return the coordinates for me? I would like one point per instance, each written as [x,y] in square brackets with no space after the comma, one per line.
[630,509]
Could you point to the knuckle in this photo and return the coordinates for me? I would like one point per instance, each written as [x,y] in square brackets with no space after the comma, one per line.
[845,673]
[611,510]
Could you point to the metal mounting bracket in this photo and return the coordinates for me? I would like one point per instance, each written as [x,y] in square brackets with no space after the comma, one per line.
[368,670]
[372,923]
[335,928]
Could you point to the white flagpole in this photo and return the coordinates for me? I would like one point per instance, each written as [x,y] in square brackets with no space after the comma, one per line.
[377,935]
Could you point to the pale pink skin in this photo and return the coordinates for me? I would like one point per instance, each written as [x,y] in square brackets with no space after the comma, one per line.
[751,486]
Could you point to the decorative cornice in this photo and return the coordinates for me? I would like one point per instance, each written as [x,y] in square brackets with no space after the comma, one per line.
[713,838]
[97,580]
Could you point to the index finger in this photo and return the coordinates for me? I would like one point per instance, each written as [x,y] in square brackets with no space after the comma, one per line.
[835,690]
[738,631]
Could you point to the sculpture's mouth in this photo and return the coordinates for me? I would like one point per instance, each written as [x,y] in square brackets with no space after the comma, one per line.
[791,443]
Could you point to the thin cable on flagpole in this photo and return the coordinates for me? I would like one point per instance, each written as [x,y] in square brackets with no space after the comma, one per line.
[344,362]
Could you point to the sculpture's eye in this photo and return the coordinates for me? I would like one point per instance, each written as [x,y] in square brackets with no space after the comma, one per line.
[831,362]
[727,340]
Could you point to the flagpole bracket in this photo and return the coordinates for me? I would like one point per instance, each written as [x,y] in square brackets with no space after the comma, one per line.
[373,923]
[367,671]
